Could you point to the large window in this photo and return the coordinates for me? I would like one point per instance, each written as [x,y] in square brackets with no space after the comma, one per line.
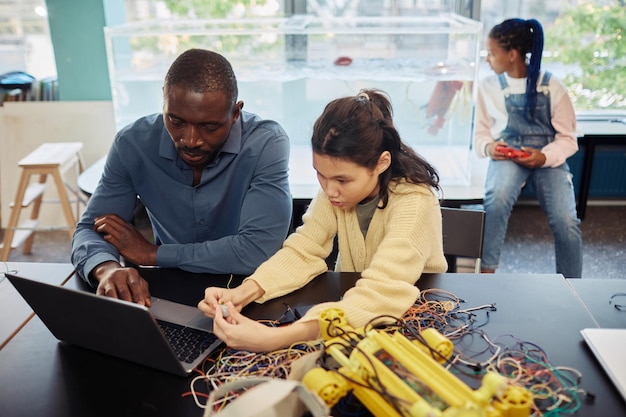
[25,38]
[584,43]
[584,46]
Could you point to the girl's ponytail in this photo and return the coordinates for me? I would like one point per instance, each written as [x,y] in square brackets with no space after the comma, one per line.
[534,66]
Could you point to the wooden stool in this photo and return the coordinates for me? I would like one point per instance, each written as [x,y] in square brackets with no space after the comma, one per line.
[48,159]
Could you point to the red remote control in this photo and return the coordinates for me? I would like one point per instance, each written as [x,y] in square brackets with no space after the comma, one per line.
[511,152]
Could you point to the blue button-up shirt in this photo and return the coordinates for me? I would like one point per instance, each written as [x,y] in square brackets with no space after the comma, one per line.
[232,221]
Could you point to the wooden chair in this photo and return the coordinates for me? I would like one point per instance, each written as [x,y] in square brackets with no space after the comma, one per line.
[462,235]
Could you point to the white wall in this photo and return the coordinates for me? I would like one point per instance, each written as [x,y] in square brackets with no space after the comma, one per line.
[26,125]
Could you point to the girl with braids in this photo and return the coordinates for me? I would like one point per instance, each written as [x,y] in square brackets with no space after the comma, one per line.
[379,198]
[529,109]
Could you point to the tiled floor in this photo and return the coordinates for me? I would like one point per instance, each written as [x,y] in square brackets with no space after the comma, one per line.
[528,246]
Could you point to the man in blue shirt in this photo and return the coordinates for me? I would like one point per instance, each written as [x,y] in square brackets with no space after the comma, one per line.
[213,179]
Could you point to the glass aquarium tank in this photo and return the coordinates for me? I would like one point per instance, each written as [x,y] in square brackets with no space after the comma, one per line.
[288,69]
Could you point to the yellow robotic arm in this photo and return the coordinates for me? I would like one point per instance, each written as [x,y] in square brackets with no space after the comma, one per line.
[393,376]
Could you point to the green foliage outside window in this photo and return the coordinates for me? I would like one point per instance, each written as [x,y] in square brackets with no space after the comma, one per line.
[245,45]
[214,9]
[590,39]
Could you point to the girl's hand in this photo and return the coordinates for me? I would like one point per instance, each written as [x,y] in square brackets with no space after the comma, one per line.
[240,332]
[214,296]
[535,159]
[493,153]
[239,297]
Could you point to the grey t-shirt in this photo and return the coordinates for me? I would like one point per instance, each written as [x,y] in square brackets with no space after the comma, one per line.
[365,212]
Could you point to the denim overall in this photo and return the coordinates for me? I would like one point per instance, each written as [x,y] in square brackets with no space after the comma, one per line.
[554,187]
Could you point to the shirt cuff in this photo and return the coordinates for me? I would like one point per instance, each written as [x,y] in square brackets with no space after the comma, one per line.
[484,150]
[93,262]
[553,159]
[167,256]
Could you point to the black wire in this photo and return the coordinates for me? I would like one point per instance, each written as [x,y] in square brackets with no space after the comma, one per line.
[619,307]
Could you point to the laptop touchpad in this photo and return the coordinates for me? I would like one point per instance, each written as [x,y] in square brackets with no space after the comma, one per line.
[180,314]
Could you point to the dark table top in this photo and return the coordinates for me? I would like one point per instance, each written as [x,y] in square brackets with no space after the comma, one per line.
[14,311]
[41,376]
[601,296]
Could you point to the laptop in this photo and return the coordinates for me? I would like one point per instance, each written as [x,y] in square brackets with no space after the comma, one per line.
[608,347]
[123,329]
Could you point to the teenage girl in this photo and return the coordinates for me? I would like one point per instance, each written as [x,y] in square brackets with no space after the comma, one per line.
[379,198]
[528,109]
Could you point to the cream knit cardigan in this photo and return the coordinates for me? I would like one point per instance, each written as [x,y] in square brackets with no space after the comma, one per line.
[403,241]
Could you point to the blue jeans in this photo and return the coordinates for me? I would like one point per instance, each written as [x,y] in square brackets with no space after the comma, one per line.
[555,193]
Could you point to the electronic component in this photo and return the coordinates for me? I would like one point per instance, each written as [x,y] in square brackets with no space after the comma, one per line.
[393,376]
[511,152]
[224,310]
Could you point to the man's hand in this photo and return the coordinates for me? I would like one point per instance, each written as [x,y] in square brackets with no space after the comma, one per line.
[129,241]
[117,281]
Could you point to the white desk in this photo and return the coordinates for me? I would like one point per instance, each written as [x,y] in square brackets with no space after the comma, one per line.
[607,128]
[304,186]
[88,179]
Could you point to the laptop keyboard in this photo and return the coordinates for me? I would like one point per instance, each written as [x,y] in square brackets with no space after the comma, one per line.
[187,343]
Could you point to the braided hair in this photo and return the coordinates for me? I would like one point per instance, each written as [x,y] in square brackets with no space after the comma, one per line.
[526,37]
